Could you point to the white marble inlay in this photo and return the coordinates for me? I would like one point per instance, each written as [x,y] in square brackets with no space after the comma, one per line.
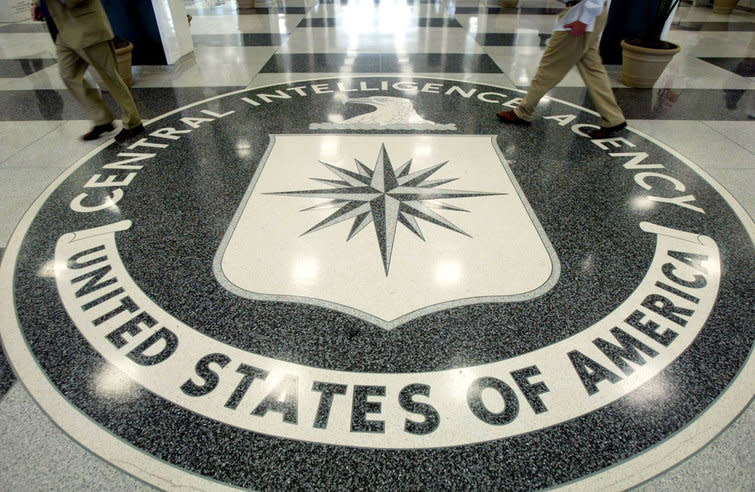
[267,253]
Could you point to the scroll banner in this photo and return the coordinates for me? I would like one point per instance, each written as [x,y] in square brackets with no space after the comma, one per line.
[609,360]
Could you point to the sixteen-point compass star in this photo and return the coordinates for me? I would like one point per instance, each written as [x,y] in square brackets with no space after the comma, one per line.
[385,196]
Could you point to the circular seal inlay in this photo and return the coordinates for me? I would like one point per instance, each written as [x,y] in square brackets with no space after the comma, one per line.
[371,282]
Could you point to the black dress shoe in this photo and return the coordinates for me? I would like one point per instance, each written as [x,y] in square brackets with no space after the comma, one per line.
[511,117]
[98,131]
[606,131]
[128,133]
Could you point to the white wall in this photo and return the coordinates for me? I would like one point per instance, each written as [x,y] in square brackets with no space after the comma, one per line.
[174,28]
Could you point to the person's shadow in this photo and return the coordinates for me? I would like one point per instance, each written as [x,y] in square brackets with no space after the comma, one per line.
[745,68]
[49,101]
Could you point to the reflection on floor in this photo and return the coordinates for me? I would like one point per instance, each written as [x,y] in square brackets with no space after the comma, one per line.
[702,109]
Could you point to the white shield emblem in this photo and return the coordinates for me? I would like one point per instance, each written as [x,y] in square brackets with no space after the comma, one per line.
[387,227]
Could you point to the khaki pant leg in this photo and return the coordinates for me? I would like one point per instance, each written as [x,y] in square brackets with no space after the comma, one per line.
[102,57]
[72,68]
[596,79]
[561,54]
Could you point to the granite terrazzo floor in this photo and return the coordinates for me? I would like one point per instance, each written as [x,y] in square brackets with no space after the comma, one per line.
[228,242]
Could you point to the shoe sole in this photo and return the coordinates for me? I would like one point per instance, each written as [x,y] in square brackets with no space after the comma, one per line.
[87,138]
[609,132]
[128,137]
[515,122]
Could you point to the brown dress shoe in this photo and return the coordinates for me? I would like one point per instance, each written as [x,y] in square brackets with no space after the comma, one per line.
[511,117]
[606,131]
[97,131]
[128,133]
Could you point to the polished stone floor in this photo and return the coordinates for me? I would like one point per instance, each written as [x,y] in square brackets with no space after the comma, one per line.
[328,266]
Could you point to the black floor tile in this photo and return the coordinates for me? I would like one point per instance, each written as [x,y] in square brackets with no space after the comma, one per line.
[274,10]
[379,63]
[30,105]
[512,39]
[439,22]
[318,22]
[239,39]
[744,67]
[713,26]
[421,22]
[508,11]
[156,101]
[23,28]
[668,104]
[232,10]
[22,67]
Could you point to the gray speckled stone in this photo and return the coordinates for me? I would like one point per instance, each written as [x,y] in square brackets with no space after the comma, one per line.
[181,205]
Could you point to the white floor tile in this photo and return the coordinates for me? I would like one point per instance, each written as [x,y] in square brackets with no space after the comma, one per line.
[742,132]
[684,72]
[231,24]
[693,139]
[26,183]
[714,43]
[380,13]
[507,23]
[18,135]
[721,465]
[739,183]
[520,63]
[19,189]
[48,78]
[211,67]
[36,455]
[690,13]
[689,72]
[413,40]
[11,211]
[36,155]
[265,79]
[26,45]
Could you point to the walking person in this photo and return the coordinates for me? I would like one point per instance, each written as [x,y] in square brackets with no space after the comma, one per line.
[85,38]
[574,43]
